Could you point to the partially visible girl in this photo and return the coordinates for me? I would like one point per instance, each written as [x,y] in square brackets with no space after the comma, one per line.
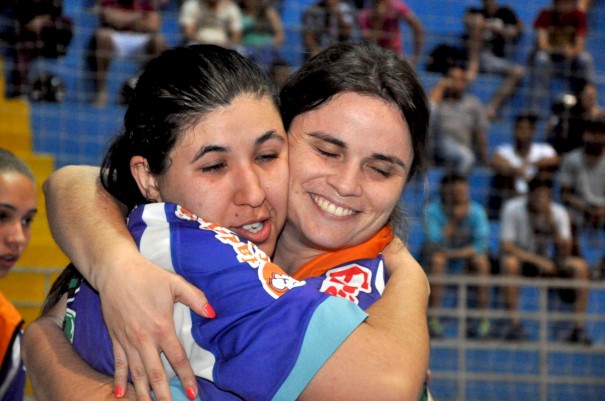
[18,199]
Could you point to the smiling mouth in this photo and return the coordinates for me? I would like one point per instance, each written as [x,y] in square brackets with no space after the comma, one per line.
[331,208]
[254,227]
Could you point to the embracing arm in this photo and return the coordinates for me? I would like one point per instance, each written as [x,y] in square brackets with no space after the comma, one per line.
[92,232]
[56,371]
[386,357]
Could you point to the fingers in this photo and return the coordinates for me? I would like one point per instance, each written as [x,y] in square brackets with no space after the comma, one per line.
[193,297]
[120,376]
[150,373]
[174,352]
[139,378]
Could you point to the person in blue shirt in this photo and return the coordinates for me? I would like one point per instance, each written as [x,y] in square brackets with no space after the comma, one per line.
[457,231]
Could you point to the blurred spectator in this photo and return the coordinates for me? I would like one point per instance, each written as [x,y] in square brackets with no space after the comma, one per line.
[381,22]
[582,178]
[18,199]
[457,232]
[458,123]
[535,240]
[127,28]
[491,31]
[217,22]
[584,5]
[279,71]
[262,33]
[560,32]
[37,28]
[515,164]
[569,115]
[325,23]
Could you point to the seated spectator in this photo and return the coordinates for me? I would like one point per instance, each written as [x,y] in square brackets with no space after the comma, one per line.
[217,22]
[535,241]
[491,31]
[515,164]
[262,33]
[458,123]
[381,22]
[582,179]
[36,29]
[127,28]
[560,32]
[457,232]
[325,23]
[18,199]
[279,71]
[570,112]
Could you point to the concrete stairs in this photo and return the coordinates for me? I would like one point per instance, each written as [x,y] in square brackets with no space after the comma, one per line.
[28,282]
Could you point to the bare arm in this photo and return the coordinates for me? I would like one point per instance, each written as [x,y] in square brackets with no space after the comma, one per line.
[418,32]
[276,25]
[386,357]
[92,233]
[528,257]
[138,21]
[481,146]
[70,379]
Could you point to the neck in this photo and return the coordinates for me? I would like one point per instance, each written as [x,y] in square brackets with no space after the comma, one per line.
[293,251]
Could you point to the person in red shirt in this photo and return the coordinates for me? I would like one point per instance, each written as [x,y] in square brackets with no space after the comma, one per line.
[560,32]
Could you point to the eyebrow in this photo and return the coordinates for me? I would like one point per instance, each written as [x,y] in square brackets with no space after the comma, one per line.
[14,209]
[377,156]
[269,135]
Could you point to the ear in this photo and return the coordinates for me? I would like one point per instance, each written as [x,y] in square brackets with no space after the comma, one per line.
[146,181]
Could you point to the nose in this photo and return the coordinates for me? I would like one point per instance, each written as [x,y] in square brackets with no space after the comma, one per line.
[17,236]
[346,180]
[250,191]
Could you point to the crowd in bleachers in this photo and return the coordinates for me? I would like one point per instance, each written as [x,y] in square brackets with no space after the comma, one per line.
[543,194]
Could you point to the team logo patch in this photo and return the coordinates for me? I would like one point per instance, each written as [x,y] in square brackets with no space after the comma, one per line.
[348,281]
[275,281]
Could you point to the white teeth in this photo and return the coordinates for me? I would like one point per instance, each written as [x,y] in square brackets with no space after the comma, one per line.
[254,227]
[331,208]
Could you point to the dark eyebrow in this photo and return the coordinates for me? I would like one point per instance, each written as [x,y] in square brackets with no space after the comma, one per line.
[207,149]
[268,136]
[14,209]
[329,138]
[8,206]
[223,149]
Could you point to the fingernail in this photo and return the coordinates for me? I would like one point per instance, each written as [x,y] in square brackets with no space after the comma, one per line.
[190,393]
[209,311]
[119,391]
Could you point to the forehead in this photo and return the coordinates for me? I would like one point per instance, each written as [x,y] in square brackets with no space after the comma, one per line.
[245,117]
[17,189]
[359,121]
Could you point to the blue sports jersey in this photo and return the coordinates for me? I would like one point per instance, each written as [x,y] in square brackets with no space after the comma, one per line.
[271,333]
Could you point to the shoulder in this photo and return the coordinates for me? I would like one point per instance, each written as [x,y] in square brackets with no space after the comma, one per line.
[573,158]
[514,206]
[559,211]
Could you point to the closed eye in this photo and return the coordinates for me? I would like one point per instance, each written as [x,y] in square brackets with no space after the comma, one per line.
[214,168]
[327,154]
[268,157]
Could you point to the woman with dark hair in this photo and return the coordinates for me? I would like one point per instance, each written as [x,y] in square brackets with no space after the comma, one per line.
[352,148]
[195,161]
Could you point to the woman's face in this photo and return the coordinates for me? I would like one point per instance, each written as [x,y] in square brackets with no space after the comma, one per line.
[349,161]
[18,200]
[231,169]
